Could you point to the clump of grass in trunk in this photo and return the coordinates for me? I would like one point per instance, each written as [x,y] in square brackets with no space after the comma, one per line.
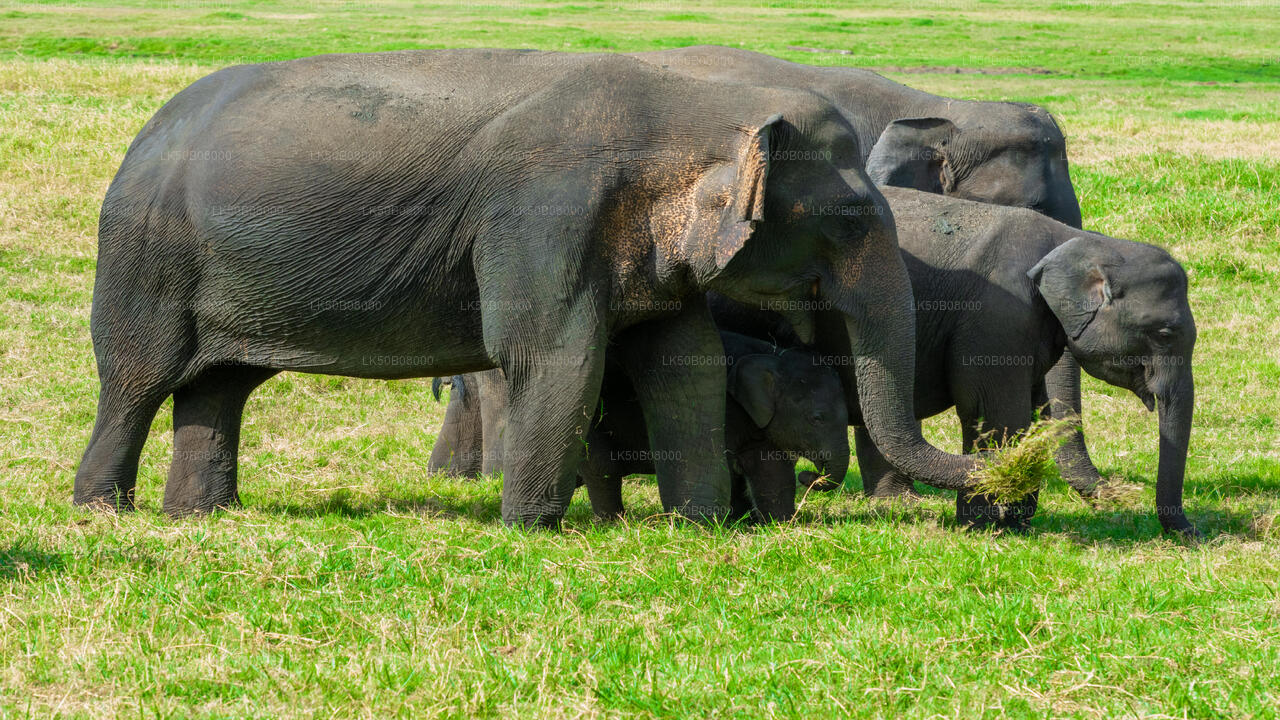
[1020,465]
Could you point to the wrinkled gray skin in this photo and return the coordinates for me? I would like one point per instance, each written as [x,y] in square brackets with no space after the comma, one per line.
[1000,293]
[995,152]
[1003,153]
[431,213]
[781,405]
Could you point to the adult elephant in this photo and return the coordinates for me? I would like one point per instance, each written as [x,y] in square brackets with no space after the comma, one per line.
[430,213]
[995,152]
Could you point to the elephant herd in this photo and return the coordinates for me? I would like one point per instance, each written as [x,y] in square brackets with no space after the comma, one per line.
[699,263]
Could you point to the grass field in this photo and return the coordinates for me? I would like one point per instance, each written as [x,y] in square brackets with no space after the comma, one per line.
[354,585]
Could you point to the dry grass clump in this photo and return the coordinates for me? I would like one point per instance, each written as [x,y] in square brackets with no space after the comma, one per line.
[1118,491]
[1020,465]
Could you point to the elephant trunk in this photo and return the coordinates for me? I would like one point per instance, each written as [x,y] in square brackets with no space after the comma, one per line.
[833,465]
[877,368]
[1176,400]
[1064,207]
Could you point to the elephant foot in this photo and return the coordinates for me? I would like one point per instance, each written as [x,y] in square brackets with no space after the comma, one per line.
[894,485]
[1189,535]
[979,514]
[112,501]
[534,522]
[1087,486]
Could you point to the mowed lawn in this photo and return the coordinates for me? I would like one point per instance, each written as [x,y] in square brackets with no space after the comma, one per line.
[352,584]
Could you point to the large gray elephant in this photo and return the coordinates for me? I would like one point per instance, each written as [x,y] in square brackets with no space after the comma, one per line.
[1000,294]
[429,213]
[782,404]
[995,152]
[998,152]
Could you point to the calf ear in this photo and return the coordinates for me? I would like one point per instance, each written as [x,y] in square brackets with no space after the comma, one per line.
[912,153]
[1075,281]
[753,383]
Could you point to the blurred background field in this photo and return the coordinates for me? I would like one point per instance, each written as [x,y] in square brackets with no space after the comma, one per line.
[354,585]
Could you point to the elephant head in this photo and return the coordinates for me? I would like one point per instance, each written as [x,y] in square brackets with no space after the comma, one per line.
[1123,306]
[798,402]
[800,229]
[1000,153]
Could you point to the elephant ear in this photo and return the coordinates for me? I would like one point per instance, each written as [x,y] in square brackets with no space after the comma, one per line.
[912,153]
[753,383]
[1075,281]
[746,201]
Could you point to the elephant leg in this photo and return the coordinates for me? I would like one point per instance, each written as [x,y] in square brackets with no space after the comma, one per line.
[740,505]
[1004,412]
[109,470]
[604,490]
[458,445]
[879,478]
[206,439]
[603,479]
[677,367]
[1062,384]
[771,477]
[551,406]
[493,392]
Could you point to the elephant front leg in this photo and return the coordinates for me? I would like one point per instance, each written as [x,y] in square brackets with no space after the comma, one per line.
[1005,412]
[677,367]
[551,405]
[879,478]
[1062,384]
[771,477]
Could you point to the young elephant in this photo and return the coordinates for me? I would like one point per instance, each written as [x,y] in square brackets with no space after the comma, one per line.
[427,213]
[781,405]
[1000,293]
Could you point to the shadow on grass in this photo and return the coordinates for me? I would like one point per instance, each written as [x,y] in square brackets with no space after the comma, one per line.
[1108,523]
[18,562]
[482,508]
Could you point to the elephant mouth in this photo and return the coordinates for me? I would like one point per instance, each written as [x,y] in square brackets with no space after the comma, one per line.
[1147,397]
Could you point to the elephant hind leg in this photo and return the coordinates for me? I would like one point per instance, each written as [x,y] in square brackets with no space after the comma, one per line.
[206,438]
[108,472]
[140,364]
[458,445]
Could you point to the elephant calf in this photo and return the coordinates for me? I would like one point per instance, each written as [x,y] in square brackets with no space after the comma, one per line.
[1001,292]
[781,405]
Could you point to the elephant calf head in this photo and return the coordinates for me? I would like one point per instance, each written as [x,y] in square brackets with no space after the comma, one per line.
[1123,306]
[1001,153]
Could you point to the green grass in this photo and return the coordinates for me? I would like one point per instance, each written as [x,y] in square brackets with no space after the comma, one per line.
[354,585]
